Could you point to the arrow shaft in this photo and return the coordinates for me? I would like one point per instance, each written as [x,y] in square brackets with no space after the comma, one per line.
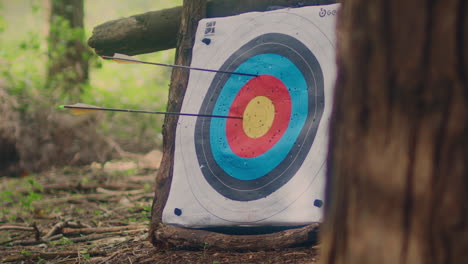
[148,112]
[179,66]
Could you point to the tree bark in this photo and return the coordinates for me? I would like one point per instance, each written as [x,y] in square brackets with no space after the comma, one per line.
[157,30]
[68,55]
[176,237]
[193,11]
[398,160]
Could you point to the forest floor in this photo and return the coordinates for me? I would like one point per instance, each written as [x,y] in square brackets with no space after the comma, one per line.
[99,214]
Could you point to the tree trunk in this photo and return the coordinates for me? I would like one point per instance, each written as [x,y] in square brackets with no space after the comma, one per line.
[68,55]
[398,161]
[157,30]
[193,11]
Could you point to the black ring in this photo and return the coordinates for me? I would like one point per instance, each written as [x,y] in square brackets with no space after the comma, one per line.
[306,62]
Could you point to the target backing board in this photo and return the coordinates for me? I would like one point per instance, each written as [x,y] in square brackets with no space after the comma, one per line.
[268,168]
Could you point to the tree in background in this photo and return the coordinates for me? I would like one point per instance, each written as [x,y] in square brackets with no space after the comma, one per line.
[47,137]
[398,162]
[68,55]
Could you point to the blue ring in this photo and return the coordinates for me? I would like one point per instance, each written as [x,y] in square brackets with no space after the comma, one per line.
[253,168]
[304,60]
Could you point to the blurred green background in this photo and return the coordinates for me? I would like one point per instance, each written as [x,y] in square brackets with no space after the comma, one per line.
[24,29]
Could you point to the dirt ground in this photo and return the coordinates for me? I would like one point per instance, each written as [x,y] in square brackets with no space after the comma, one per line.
[98,214]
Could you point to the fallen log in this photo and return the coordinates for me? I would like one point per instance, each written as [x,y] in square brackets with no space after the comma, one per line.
[172,236]
[157,30]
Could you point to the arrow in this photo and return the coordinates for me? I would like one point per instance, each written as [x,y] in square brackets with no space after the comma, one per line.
[80,109]
[122,58]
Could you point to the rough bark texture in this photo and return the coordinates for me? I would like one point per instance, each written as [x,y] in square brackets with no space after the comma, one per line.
[68,55]
[157,30]
[177,237]
[398,165]
[193,11]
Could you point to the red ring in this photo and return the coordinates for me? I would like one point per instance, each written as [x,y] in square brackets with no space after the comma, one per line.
[272,88]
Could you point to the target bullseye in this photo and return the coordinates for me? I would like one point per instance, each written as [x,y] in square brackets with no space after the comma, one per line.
[250,158]
[258,117]
[265,104]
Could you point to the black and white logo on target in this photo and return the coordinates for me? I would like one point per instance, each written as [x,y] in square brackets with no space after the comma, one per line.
[327,12]
[210,28]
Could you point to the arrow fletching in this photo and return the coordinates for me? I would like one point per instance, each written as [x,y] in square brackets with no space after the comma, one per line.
[122,58]
[81,109]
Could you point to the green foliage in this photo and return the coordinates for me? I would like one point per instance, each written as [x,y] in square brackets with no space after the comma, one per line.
[85,255]
[26,201]
[26,253]
[124,173]
[79,210]
[34,184]
[62,241]
[131,86]
[97,212]
[206,246]
[40,260]
[3,24]
[19,203]
[85,180]
[67,53]
[6,196]
[144,207]
[24,55]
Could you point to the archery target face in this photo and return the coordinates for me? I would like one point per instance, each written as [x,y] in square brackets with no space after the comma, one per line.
[268,167]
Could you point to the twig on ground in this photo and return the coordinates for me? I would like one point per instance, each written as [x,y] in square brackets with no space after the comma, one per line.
[51,255]
[32,228]
[97,230]
[17,228]
[92,237]
[57,228]
[89,238]
[141,196]
[11,240]
[79,198]
[26,242]
[52,238]
[115,254]
[132,192]
[100,233]
[32,242]
[77,224]
[81,187]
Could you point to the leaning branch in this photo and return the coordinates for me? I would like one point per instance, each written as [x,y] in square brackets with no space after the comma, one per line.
[157,30]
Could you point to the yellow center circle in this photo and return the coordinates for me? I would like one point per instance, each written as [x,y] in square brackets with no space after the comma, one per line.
[258,117]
